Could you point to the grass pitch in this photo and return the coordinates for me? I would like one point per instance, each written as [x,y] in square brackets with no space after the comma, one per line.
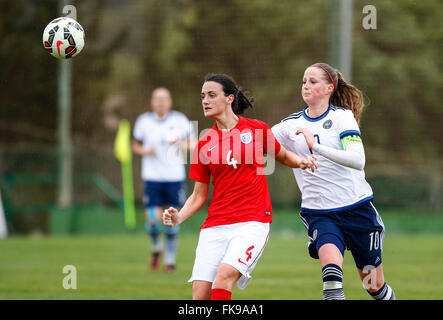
[116,267]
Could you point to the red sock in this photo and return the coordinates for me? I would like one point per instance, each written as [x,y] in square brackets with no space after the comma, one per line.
[220,294]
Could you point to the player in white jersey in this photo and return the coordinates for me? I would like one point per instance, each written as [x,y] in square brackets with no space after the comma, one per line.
[159,137]
[336,207]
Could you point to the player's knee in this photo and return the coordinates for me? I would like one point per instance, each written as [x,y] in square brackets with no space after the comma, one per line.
[222,278]
[152,227]
[226,276]
[330,254]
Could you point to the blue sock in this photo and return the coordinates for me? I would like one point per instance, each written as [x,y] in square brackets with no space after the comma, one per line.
[171,249]
[154,233]
[154,230]
[332,276]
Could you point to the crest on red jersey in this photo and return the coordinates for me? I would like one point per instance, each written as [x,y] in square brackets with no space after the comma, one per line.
[246,137]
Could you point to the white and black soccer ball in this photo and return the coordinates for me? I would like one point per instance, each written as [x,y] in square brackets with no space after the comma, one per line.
[64,38]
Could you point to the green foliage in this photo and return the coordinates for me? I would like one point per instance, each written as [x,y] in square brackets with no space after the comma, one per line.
[267,45]
[391,192]
[132,47]
[398,65]
[27,86]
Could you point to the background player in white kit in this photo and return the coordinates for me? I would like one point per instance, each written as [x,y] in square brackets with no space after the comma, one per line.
[336,207]
[159,137]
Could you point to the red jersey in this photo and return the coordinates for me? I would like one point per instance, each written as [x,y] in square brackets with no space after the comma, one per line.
[235,160]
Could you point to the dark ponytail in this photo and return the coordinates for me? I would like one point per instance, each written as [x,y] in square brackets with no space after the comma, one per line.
[345,94]
[241,100]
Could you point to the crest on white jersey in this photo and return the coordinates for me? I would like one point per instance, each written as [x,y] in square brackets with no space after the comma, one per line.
[327,124]
[246,137]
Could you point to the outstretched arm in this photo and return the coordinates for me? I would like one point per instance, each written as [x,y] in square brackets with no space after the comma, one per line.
[352,157]
[293,160]
[172,217]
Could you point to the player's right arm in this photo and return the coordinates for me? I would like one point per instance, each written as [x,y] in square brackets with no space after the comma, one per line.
[138,137]
[138,149]
[352,154]
[293,160]
[200,173]
[172,217]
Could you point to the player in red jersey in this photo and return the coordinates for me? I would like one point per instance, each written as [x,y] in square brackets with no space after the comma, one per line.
[234,234]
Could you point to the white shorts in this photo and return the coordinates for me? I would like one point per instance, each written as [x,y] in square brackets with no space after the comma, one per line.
[239,245]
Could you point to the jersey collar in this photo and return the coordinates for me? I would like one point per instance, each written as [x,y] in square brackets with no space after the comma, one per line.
[305,115]
[157,118]
[240,119]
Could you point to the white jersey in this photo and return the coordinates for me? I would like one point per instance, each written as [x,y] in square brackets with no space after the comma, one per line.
[167,164]
[332,187]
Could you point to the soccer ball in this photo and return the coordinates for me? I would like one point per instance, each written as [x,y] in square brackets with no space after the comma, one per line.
[63,38]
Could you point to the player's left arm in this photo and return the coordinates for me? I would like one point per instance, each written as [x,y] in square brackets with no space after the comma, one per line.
[352,155]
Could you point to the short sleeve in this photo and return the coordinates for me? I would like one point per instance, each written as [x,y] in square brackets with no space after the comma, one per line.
[138,133]
[189,128]
[199,171]
[186,126]
[347,125]
[280,132]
